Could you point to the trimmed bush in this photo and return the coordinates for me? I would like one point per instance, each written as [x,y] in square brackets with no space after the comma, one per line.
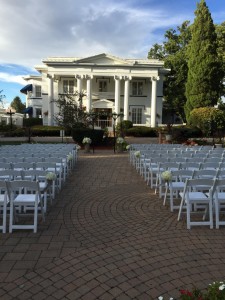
[208,119]
[182,134]
[48,131]
[142,131]
[96,135]
[32,122]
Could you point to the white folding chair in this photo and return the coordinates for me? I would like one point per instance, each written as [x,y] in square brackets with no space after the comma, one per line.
[4,200]
[176,185]
[24,194]
[164,166]
[219,201]
[196,201]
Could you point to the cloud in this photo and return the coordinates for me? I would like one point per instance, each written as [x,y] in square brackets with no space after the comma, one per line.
[78,28]
[6,77]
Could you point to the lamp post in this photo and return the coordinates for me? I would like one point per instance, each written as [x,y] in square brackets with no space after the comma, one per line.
[10,113]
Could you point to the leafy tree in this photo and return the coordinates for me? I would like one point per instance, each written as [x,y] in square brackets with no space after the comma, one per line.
[210,120]
[1,98]
[173,52]
[205,73]
[71,113]
[18,105]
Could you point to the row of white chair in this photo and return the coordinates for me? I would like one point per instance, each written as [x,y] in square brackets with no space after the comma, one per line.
[21,196]
[211,196]
[25,175]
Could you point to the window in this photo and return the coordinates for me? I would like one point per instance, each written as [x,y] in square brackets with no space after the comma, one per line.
[136,115]
[102,86]
[137,88]
[38,91]
[68,86]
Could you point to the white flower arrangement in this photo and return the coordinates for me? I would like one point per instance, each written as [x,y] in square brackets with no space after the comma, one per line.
[137,154]
[50,176]
[120,140]
[86,140]
[78,147]
[128,147]
[166,176]
[69,157]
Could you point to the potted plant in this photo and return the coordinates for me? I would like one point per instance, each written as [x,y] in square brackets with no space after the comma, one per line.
[86,141]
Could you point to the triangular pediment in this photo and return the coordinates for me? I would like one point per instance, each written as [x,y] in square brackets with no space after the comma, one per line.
[102,59]
[103,103]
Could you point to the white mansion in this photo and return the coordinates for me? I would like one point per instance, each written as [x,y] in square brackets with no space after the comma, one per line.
[133,87]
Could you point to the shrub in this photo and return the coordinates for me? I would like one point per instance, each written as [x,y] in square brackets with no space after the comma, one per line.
[15,133]
[142,131]
[32,122]
[122,127]
[208,119]
[96,135]
[183,133]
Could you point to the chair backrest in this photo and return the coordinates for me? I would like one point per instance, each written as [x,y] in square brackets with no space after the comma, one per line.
[190,165]
[23,166]
[5,166]
[210,165]
[205,173]
[182,175]
[199,184]
[19,185]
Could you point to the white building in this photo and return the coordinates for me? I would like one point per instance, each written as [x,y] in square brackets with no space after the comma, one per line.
[133,87]
[10,117]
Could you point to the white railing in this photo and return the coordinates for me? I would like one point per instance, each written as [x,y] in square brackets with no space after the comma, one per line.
[103,123]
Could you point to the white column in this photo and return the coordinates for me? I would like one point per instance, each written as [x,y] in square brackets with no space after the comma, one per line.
[126,97]
[50,101]
[79,83]
[153,101]
[88,97]
[117,94]
[34,112]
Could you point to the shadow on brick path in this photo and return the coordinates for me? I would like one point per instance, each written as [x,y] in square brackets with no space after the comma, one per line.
[108,236]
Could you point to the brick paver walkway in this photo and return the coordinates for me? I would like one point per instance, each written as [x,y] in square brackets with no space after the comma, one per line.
[108,236]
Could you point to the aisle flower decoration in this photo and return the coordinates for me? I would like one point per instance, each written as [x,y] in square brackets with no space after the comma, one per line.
[137,154]
[78,147]
[50,176]
[86,140]
[120,140]
[128,147]
[69,157]
[166,176]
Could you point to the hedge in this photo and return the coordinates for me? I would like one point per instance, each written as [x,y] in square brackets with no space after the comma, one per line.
[141,131]
[32,122]
[96,135]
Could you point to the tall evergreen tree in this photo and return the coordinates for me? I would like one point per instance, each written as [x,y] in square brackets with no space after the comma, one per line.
[18,105]
[173,52]
[205,72]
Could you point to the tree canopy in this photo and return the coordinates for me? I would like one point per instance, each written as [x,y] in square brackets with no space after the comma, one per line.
[204,80]
[18,105]
[176,51]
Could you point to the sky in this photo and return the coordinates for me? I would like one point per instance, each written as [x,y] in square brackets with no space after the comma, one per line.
[31,30]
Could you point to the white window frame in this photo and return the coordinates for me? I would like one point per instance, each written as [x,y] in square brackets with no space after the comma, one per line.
[102,86]
[137,88]
[38,91]
[137,114]
[68,86]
